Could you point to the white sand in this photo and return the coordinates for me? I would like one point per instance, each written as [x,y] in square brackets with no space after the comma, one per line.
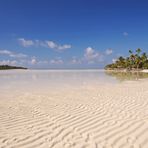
[145,70]
[95,116]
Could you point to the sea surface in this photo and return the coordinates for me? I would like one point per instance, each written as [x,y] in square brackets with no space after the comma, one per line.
[62,79]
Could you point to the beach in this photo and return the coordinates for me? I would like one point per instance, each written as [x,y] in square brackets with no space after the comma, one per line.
[72,109]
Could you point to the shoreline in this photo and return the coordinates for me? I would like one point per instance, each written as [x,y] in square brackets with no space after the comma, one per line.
[126,70]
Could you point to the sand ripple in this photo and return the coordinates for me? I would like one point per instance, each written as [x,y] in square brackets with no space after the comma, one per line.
[101,117]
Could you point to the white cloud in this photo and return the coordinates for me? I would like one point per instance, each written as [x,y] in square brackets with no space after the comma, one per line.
[56,61]
[33,60]
[48,44]
[38,43]
[114,60]
[18,55]
[63,47]
[125,33]
[25,43]
[90,54]
[5,52]
[12,54]
[43,62]
[8,62]
[57,47]
[76,60]
[51,44]
[108,51]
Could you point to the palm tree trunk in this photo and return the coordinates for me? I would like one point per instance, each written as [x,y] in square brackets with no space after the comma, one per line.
[137,66]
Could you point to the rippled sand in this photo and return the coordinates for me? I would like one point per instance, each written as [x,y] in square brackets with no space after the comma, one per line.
[72,109]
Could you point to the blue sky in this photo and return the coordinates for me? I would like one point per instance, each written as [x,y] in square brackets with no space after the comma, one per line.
[70,33]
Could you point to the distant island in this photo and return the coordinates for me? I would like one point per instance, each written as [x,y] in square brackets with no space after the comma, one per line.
[134,62]
[7,67]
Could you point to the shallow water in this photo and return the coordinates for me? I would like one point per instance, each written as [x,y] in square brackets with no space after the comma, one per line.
[44,79]
[72,109]
[62,79]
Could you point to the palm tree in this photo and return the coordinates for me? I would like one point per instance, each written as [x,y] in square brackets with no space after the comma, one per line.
[132,60]
[138,60]
[128,63]
[144,60]
[121,61]
[138,51]
[135,60]
[130,51]
[144,57]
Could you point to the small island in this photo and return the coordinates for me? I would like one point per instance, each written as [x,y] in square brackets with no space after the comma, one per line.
[7,67]
[137,61]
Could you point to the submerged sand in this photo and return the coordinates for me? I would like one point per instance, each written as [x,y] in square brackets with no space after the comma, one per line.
[109,115]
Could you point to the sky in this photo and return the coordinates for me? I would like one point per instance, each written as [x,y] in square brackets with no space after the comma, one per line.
[71,33]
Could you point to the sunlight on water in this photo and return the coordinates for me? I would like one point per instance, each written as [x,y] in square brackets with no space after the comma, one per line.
[44,79]
[61,79]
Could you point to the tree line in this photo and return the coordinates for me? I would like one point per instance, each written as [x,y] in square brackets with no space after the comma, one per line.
[135,61]
[5,67]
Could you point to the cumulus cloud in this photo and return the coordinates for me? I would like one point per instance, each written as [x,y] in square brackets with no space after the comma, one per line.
[57,47]
[56,61]
[51,44]
[12,54]
[63,47]
[5,52]
[108,51]
[76,60]
[33,60]
[48,44]
[25,43]
[125,33]
[90,54]
[8,62]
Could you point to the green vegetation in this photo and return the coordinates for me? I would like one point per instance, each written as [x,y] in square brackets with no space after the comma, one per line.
[135,61]
[6,67]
